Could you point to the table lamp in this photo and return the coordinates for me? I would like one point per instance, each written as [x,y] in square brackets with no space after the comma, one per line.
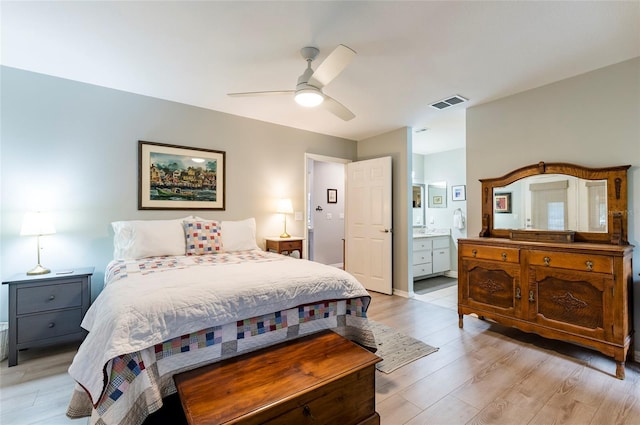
[285,207]
[37,224]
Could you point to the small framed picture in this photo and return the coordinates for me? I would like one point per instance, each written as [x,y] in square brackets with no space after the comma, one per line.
[459,193]
[332,196]
[502,203]
[437,200]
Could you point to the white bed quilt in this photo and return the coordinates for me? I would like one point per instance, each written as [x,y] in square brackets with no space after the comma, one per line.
[145,302]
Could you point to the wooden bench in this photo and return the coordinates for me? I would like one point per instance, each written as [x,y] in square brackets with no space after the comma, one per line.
[317,379]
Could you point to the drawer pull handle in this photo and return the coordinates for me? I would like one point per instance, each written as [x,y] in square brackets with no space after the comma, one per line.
[547,260]
[306,410]
[51,325]
[52,297]
[504,256]
[474,252]
[589,265]
[531,296]
[518,293]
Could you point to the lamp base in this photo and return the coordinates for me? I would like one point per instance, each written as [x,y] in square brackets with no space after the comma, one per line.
[38,270]
[285,235]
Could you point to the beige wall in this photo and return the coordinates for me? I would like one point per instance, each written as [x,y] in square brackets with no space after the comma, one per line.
[397,145]
[71,148]
[592,120]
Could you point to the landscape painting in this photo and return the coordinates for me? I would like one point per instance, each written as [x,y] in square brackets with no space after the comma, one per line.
[175,177]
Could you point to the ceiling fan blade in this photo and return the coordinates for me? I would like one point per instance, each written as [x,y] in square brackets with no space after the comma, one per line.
[332,66]
[261,93]
[337,108]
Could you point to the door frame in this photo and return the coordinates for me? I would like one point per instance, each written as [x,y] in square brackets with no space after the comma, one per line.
[320,158]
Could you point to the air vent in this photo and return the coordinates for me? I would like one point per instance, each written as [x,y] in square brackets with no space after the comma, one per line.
[446,103]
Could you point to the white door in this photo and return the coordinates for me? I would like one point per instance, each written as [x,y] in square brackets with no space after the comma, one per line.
[368,223]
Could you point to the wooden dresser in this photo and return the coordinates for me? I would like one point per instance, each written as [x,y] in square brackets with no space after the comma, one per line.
[318,379]
[579,292]
[553,256]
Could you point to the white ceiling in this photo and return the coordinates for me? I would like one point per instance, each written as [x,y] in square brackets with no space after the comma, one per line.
[410,54]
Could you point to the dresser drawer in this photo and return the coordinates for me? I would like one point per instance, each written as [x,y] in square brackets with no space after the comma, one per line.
[509,255]
[572,261]
[290,246]
[49,325]
[49,297]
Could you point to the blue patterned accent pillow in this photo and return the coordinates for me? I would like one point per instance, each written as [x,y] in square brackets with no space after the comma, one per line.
[202,237]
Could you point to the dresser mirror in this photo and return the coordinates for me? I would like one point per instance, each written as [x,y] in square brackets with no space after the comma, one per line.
[557,201]
[437,194]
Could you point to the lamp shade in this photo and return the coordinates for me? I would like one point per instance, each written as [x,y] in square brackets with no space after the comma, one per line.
[285,206]
[36,224]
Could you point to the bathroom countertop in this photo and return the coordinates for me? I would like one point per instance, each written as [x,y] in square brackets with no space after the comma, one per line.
[430,233]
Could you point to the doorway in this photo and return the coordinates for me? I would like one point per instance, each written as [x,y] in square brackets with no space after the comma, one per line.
[324,209]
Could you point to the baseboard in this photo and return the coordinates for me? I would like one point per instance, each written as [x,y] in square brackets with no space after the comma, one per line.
[451,273]
[400,293]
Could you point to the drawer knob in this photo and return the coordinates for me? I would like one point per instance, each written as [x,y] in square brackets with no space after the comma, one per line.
[546,260]
[306,410]
[518,293]
[504,256]
[474,252]
[51,325]
[52,297]
[589,265]
[531,296]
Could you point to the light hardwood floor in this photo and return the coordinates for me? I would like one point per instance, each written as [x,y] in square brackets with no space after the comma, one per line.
[482,374]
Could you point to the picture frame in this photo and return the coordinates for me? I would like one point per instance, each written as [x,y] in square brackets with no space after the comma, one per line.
[459,193]
[437,200]
[332,196]
[172,177]
[502,203]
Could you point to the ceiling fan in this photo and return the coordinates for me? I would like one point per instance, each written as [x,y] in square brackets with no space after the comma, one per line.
[308,91]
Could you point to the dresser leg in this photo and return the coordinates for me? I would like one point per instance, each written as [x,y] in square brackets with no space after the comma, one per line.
[460,323]
[619,370]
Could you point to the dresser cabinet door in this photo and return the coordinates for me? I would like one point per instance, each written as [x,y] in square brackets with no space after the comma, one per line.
[572,301]
[491,286]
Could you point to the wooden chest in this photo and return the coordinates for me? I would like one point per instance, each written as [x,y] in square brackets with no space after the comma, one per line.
[318,379]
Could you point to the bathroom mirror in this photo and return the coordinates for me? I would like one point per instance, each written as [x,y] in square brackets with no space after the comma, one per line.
[546,199]
[437,194]
[418,204]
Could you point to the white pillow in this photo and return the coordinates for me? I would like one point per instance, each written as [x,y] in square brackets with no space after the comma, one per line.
[148,238]
[238,235]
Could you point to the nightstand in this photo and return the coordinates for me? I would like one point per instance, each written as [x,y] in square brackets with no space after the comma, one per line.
[284,246]
[47,309]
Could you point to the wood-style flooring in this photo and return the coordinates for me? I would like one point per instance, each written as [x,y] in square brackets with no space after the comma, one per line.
[482,374]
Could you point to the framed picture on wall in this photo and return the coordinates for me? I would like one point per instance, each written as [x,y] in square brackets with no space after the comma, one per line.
[174,177]
[502,203]
[458,193]
[332,196]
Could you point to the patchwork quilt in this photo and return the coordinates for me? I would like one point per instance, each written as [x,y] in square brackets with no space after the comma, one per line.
[165,315]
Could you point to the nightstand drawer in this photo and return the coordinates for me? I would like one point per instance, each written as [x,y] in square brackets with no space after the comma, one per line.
[49,325]
[49,297]
[290,246]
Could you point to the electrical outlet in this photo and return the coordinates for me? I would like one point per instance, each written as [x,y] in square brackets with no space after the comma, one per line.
[329,216]
[298,216]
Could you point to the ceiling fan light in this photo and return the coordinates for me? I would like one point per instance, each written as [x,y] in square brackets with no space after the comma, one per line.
[308,98]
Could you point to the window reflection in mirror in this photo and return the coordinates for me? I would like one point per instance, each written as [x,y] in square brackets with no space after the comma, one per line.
[552,202]
[437,194]
[418,204]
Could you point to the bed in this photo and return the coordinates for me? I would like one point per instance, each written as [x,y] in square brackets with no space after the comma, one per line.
[183,293]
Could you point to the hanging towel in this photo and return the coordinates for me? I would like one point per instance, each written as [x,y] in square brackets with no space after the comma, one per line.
[458,219]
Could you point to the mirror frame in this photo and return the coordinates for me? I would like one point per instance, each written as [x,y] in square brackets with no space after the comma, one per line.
[616,178]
